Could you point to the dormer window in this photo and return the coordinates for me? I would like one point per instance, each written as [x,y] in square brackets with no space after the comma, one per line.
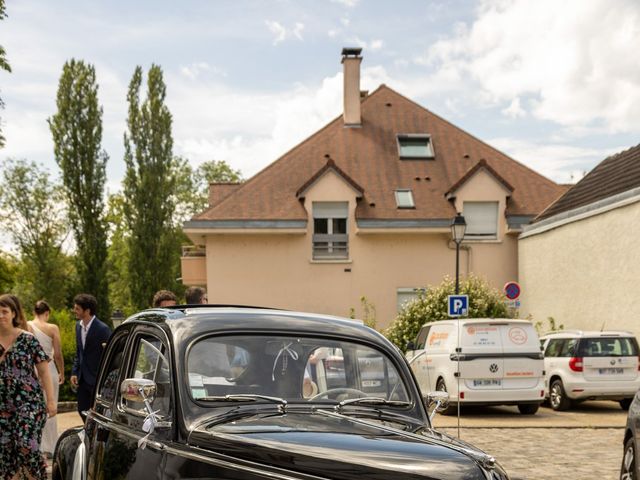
[415,146]
[404,198]
[482,220]
[330,239]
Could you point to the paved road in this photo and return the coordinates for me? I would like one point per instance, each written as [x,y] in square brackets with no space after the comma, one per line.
[583,444]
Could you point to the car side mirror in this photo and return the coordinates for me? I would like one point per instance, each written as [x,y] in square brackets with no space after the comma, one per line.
[411,345]
[139,390]
[437,401]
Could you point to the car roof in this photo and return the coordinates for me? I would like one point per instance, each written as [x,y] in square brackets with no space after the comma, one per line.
[586,333]
[199,319]
[479,320]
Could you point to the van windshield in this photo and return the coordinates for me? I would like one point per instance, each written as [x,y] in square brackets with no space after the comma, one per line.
[608,347]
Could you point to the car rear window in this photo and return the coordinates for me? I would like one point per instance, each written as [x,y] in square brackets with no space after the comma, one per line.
[608,347]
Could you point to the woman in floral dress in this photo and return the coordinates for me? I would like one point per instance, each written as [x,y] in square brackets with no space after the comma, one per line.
[23,412]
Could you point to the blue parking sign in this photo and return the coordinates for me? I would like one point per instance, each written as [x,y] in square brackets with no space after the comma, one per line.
[458,305]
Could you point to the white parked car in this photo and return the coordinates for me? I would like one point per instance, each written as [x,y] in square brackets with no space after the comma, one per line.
[480,361]
[582,365]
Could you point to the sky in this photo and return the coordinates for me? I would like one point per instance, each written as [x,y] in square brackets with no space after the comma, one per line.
[555,85]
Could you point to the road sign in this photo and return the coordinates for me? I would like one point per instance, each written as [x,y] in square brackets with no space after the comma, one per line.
[458,305]
[512,290]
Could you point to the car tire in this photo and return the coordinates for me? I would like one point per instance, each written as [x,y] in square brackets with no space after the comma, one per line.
[625,403]
[528,408]
[628,467]
[452,409]
[557,396]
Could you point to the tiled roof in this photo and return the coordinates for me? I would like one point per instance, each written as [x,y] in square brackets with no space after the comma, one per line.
[615,174]
[369,157]
[330,165]
[482,164]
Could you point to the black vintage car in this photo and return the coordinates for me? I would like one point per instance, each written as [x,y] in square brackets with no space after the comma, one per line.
[251,393]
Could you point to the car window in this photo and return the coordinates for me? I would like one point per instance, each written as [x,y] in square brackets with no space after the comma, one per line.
[110,382]
[568,348]
[608,347]
[150,362]
[554,347]
[422,337]
[297,369]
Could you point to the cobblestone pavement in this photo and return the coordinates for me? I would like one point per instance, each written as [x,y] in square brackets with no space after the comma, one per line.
[551,453]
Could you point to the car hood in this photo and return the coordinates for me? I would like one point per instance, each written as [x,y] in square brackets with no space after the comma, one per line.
[331,445]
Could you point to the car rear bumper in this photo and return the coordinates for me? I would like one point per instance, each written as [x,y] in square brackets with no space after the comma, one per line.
[601,390]
[502,396]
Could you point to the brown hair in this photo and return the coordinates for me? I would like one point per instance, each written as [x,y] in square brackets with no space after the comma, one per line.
[6,300]
[41,307]
[162,296]
[20,316]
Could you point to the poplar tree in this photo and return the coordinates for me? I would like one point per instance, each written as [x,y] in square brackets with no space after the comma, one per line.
[148,187]
[77,135]
[4,65]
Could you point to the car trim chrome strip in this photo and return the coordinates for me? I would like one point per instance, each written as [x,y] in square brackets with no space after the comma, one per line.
[474,356]
[202,457]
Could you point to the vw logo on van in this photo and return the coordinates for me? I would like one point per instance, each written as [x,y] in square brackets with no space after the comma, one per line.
[493,368]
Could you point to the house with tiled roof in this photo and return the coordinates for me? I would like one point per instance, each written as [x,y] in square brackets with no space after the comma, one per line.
[579,260]
[362,208]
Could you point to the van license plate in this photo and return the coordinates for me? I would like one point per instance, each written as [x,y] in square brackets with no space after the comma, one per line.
[610,371]
[490,382]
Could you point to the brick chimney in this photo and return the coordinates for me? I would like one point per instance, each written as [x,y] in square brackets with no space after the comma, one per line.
[351,60]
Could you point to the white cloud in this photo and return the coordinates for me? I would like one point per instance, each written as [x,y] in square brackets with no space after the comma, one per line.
[576,59]
[281,33]
[514,110]
[375,45]
[561,162]
[196,69]
[347,3]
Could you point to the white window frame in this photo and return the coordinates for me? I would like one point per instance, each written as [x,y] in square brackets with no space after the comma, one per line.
[414,137]
[404,201]
[481,225]
[337,244]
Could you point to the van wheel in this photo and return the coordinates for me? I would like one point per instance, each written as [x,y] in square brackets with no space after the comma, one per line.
[625,403]
[451,409]
[528,408]
[557,397]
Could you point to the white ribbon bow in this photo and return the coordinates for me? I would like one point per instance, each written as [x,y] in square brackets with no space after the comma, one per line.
[285,349]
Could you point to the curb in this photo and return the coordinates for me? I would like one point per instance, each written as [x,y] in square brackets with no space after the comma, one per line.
[67,407]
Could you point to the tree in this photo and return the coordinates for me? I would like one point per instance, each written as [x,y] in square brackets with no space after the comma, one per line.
[484,302]
[192,186]
[118,256]
[148,187]
[8,267]
[31,213]
[77,135]
[4,65]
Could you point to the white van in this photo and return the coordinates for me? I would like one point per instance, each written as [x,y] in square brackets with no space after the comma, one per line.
[480,361]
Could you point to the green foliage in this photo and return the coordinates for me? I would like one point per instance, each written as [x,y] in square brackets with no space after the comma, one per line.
[547,326]
[4,65]
[148,186]
[77,134]
[368,312]
[30,209]
[67,325]
[118,256]
[192,186]
[8,268]
[484,302]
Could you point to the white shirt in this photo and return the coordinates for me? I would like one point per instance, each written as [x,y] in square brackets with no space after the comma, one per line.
[84,330]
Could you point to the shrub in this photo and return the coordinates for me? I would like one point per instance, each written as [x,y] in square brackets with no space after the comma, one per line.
[484,302]
[67,325]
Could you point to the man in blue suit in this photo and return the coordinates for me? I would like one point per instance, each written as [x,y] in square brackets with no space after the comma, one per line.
[91,337]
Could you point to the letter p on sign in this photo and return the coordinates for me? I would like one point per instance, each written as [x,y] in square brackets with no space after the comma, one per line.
[458,305]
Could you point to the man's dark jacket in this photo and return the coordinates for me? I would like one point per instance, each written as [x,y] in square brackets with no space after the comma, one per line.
[87,361]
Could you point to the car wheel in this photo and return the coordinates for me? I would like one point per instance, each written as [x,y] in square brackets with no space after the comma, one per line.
[557,397]
[628,469]
[625,403]
[528,408]
[452,409]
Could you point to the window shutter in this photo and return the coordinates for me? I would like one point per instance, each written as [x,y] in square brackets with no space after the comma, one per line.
[481,218]
[330,209]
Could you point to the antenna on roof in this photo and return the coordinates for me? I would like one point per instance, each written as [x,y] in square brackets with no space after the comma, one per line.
[602,328]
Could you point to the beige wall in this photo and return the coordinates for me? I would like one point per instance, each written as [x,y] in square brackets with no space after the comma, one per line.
[277,269]
[585,274]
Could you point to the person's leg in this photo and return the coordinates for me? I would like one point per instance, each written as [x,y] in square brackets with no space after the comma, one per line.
[84,398]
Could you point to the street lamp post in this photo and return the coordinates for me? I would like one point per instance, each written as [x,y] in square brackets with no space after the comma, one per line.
[458,228]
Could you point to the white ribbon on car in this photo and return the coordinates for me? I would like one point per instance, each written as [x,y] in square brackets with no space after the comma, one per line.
[149,425]
[284,351]
[78,472]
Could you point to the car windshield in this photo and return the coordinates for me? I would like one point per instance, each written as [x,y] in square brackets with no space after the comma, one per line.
[608,347]
[294,369]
